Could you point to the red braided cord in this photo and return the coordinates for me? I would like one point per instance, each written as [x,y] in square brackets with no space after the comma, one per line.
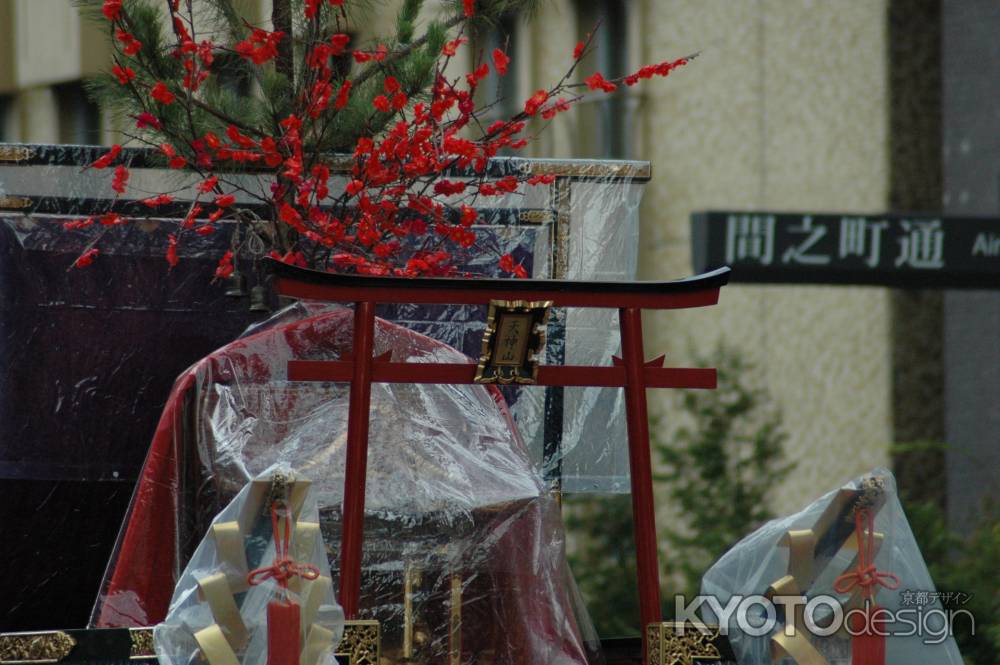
[283,567]
[866,575]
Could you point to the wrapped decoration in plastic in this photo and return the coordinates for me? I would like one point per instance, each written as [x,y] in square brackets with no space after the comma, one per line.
[258,588]
[838,578]
[463,558]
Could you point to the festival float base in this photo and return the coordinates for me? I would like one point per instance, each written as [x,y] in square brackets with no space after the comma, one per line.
[359,646]
[547,232]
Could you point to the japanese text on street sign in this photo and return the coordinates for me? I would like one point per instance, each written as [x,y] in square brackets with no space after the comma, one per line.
[889,250]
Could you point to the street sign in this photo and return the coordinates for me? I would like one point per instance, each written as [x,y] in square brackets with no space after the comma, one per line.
[909,251]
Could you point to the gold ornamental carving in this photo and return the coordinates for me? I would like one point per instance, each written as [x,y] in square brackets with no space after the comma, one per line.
[142,643]
[535,217]
[15,153]
[47,647]
[360,644]
[591,169]
[14,203]
[676,643]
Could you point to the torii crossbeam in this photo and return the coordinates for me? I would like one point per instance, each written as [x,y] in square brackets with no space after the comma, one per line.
[630,372]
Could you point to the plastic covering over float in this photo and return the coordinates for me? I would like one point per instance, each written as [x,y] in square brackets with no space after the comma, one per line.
[583,227]
[459,527]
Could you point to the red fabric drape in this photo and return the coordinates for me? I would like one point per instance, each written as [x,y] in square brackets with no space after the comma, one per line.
[142,580]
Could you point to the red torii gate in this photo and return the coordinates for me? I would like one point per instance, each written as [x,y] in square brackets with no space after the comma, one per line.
[630,372]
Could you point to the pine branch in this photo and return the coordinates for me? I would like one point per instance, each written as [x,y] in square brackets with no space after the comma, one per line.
[401,53]
[405,21]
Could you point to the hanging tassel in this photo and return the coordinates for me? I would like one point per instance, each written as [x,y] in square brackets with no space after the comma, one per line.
[868,638]
[283,632]
[283,613]
[867,643]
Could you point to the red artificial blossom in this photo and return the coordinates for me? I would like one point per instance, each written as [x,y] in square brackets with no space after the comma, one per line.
[104,161]
[124,74]
[261,47]
[596,81]
[120,179]
[225,268]
[500,61]
[399,213]
[312,6]
[112,9]
[172,250]
[507,265]
[157,201]
[111,219]
[78,224]
[87,258]
[130,45]
[162,94]
[536,101]
[147,119]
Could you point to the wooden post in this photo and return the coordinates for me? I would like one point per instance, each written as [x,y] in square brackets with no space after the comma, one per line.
[357,458]
[640,468]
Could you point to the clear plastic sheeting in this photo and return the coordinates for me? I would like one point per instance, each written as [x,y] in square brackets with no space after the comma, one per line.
[89,355]
[584,226]
[216,616]
[805,554]
[581,431]
[463,558]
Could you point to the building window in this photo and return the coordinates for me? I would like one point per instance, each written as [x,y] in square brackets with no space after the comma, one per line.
[602,127]
[79,118]
[234,75]
[499,95]
[6,123]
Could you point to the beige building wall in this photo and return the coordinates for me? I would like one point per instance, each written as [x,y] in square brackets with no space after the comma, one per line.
[784,109]
[46,49]
[48,42]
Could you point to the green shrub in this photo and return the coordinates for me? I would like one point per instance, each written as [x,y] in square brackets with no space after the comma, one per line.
[967,565]
[717,470]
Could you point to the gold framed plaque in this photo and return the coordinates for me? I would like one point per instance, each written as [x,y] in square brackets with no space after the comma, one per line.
[513,339]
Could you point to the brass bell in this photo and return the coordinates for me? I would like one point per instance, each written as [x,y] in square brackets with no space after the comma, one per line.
[258,300]
[236,285]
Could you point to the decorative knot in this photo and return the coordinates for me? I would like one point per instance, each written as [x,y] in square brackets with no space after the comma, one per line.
[866,575]
[283,568]
[865,578]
